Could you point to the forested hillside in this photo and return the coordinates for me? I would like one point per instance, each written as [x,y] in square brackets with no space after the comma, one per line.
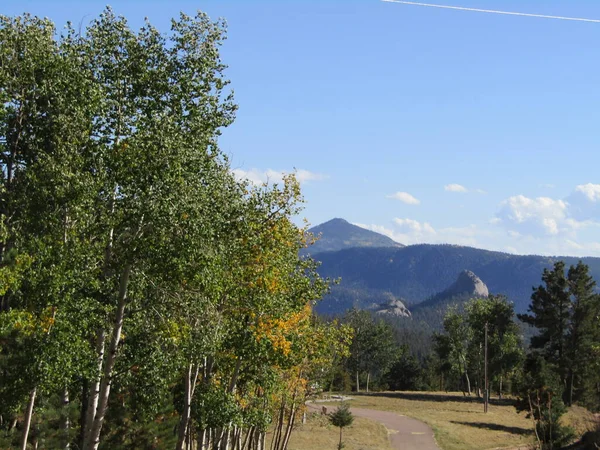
[417,272]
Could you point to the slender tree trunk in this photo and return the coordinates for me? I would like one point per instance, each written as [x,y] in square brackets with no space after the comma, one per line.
[468,382]
[65,423]
[248,438]
[94,390]
[28,415]
[279,426]
[571,387]
[357,384]
[340,444]
[290,427]
[82,412]
[105,385]
[500,388]
[368,378]
[201,438]
[187,408]
[532,415]
[236,374]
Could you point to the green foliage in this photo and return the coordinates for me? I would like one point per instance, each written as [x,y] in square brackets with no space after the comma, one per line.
[540,395]
[341,417]
[406,374]
[565,312]
[562,364]
[373,349]
[214,407]
[158,284]
[460,349]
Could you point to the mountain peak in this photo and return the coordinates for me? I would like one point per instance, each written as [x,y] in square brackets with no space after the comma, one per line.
[338,234]
[468,283]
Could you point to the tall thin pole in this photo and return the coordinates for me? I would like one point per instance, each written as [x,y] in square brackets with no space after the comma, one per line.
[486,388]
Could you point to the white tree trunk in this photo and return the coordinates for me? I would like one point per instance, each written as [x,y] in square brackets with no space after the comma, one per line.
[94,391]
[28,414]
[187,408]
[65,424]
[94,437]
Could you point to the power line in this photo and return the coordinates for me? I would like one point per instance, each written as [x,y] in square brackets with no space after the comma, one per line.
[491,11]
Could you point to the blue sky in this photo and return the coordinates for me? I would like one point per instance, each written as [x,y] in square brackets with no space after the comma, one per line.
[428,125]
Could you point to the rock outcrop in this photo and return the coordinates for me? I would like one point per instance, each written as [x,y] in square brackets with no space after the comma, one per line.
[393,308]
[467,283]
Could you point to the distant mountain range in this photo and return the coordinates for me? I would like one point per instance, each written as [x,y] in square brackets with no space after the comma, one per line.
[375,273]
[338,234]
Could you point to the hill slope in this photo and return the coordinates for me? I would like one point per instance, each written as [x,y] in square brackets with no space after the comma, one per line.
[338,234]
[418,272]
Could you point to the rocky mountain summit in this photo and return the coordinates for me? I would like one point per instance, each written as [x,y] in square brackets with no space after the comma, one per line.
[467,283]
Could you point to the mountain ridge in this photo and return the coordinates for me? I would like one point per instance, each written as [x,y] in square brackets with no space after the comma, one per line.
[415,273]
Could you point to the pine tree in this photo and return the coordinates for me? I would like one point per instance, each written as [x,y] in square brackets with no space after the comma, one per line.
[550,313]
[583,337]
[341,417]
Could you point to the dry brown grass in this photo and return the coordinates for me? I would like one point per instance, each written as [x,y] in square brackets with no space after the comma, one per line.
[459,422]
[318,434]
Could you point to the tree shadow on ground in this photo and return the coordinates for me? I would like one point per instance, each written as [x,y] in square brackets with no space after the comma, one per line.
[437,397]
[495,427]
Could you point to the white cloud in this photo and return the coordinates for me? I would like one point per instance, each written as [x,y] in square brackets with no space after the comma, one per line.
[533,215]
[405,197]
[414,227]
[304,176]
[591,191]
[552,217]
[410,231]
[404,231]
[523,225]
[379,229]
[455,188]
[480,191]
[586,248]
[256,176]
[584,202]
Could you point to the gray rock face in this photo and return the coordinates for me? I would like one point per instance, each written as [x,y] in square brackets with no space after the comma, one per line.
[393,308]
[468,283]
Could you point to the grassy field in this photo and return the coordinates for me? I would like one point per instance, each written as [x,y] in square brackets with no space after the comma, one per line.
[459,422]
[317,433]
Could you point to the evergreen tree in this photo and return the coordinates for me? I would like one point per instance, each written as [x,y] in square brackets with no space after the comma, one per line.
[566,313]
[583,337]
[341,417]
[540,395]
[550,314]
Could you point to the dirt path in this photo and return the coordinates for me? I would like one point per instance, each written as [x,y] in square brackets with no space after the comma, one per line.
[404,433]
